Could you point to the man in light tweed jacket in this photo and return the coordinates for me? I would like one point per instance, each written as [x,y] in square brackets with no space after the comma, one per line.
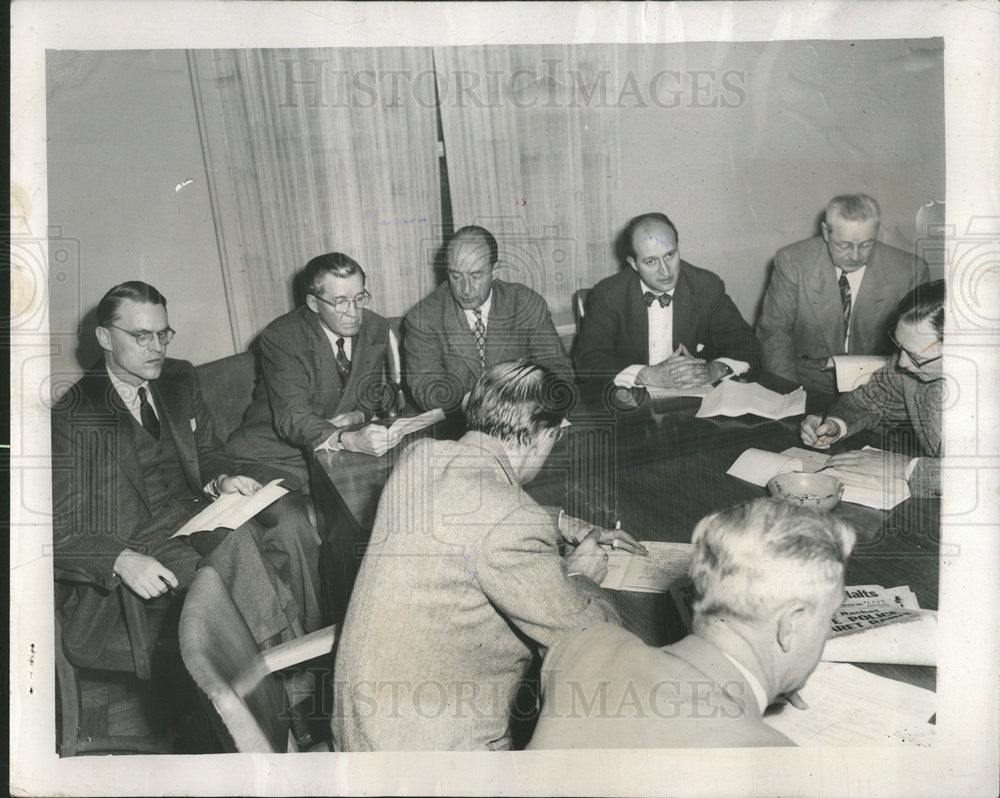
[909,388]
[463,580]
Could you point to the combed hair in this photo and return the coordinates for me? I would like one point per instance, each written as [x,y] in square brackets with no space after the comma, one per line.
[638,221]
[336,263]
[517,401]
[926,301]
[134,290]
[755,557]
[853,207]
[481,235]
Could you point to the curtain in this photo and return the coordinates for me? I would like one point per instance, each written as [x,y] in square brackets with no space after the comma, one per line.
[314,150]
[531,146]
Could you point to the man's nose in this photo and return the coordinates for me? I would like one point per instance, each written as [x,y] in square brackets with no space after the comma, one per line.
[156,345]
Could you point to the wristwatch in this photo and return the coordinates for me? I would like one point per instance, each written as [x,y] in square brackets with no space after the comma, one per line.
[725,373]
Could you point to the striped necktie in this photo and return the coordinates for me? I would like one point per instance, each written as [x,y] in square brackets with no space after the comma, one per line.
[845,300]
[479,331]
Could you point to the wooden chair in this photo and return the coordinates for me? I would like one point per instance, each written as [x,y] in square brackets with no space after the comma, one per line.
[249,707]
[130,649]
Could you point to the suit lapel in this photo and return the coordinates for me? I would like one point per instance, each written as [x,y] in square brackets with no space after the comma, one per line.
[363,355]
[330,381]
[498,323]
[823,295]
[685,312]
[169,401]
[873,295]
[121,446]
[636,316]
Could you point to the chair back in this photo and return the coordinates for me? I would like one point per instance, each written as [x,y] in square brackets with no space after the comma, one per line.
[247,701]
[227,385]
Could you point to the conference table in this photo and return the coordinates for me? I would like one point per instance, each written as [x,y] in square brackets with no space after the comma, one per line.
[656,469]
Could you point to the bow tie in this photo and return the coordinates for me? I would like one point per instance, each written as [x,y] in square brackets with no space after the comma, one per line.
[663,299]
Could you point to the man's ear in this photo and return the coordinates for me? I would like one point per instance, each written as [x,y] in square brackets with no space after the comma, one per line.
[826,230]
[312,303]
[791,619]
[103,337]
[631,262]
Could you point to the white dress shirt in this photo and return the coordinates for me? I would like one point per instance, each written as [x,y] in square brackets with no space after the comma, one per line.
[334,337]
[755,686]
[130,396]
[470,315]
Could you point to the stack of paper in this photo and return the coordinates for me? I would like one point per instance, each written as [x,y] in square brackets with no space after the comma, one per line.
[849,706]
[232,510]
[666,565]
[404,426]
[730,398]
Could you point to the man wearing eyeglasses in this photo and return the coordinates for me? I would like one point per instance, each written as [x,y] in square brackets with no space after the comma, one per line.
[134,457]
[833,294]
[474,322]
[322,379]
[910,387]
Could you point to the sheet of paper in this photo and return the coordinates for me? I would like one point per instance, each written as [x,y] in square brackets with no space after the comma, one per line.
[910,643]
[851,707]
[757,466]
[402,427]
[232,510]
[665,565]
[730,398]
[670,393]
[858,488]
[853,371]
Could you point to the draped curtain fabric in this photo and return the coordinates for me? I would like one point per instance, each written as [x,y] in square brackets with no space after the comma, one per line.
[531,144]
[314,150]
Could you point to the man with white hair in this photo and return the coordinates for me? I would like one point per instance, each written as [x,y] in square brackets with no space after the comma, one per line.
[768,577]
[834,294]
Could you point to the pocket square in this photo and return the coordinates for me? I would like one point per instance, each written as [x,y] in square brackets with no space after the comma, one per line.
[698,348]
[194,425]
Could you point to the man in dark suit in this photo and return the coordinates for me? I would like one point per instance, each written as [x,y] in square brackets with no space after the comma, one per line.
[768,577]
[323,373]
[474,322]
[134,456]
[834,294]
[662,322]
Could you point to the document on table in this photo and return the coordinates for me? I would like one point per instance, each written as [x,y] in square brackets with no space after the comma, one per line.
[851,707]
[853,371]
[882,494]
[232,510]
[730,398]
[402,427]
[664,566]
[913,642]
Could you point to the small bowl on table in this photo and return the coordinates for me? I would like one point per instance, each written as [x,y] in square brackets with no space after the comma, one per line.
[807,490]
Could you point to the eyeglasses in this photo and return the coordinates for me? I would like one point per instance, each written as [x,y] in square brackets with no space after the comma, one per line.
[341,304]
[145,337]
[917,361]
[848,246]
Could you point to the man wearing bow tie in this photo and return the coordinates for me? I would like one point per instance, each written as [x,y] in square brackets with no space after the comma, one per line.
[662,322]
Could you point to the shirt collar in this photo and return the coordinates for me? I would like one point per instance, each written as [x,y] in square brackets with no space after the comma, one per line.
[484,308]
[755,686]
[128,393]
[334,337]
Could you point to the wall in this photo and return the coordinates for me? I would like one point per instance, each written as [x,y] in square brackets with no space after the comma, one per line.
[809,120]
[122,135]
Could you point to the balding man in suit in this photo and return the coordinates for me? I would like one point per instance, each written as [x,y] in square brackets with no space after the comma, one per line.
[768,577]
[834,294]
[472,323]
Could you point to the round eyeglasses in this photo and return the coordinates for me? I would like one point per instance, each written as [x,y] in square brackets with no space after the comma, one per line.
[145,337]
[341,304]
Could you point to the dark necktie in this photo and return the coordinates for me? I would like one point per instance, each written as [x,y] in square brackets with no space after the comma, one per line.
[845,300]
[343,363]
[149,419]
[663,299]
[479,331]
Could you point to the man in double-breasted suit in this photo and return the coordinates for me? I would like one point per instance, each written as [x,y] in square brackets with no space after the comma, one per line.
[463,580]
[757,634]
[662,322]
[134,456]
[472,323]
[834,294]
[323,371]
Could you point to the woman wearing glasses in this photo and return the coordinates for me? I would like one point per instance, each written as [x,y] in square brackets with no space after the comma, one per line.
[908,389]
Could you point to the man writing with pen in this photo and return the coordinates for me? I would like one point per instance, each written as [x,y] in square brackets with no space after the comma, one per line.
[464,580]
[908,389]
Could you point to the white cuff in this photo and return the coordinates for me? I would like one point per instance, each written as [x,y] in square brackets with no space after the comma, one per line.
[626,377]
[910,467]
[212,488]
[738,366]
[330,444]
